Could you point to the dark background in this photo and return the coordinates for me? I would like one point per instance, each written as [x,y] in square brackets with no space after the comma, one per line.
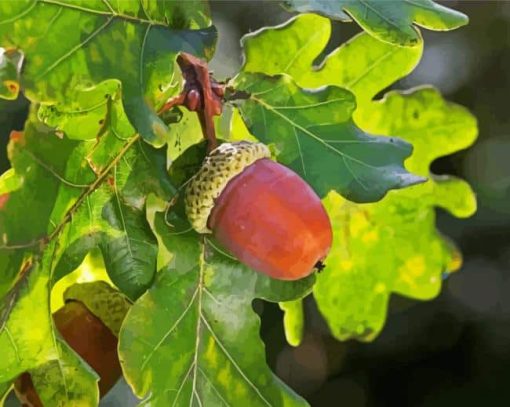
[454,350]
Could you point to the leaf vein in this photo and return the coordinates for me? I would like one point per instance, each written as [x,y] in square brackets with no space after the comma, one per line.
[229,357]
[20,15]
[73,50]
[304,130]
[117,198]
[169,332]
[213,386]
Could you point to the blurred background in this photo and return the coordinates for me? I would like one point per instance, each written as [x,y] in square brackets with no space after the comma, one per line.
[456,348]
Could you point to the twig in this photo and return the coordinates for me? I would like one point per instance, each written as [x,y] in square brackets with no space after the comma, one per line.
[201,94]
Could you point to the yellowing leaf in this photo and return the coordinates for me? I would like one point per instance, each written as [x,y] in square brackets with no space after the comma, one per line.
[392,246]
[363,64]
[27,345]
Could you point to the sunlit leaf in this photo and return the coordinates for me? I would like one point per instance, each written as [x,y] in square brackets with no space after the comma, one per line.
[27,345]
[393,245]
[9,182]
[363,64]
[390,21]
[293,321]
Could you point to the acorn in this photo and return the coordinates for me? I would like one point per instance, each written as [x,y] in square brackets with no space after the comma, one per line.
[89,322]
[262,212]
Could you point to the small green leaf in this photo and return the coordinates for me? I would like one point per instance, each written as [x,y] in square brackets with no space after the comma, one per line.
[130,257]
[131,41]
[68,381]
[9,182]
[313,133]
[293,321]
[389,21]
[392,246]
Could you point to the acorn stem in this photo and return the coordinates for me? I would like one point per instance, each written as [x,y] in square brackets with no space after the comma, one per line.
[201,94]
[207,124]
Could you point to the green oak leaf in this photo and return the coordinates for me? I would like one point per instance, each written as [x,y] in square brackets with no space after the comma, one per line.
[293,321]
[27,345]
[313,133]
[393,246]
[389,21]
[194,351]
[132,41]
[66,381]
[28,201]
[363,64]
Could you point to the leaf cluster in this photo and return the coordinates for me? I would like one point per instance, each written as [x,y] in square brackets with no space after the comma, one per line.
[96,172]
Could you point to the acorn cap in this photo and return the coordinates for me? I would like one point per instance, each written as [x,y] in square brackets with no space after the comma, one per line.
[102,300]
[219,167]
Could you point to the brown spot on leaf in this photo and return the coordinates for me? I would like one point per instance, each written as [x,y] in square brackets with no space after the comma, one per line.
[12,86]
[16,136]
[3,200]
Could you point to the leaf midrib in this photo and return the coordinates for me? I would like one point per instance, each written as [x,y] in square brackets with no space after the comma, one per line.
[200,324]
